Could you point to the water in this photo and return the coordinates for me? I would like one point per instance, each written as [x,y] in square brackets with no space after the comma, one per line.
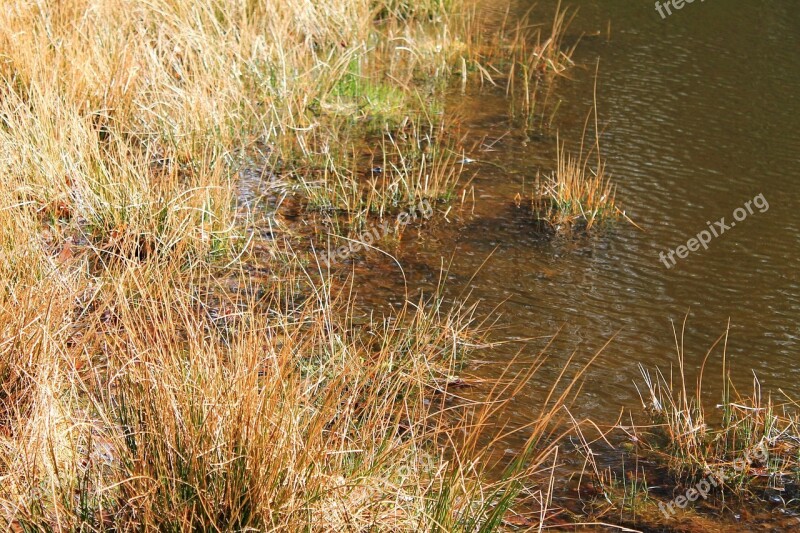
[699,115]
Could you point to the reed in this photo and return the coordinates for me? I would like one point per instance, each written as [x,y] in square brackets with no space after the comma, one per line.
[574,195]
[537,61]
[730,450]
[751,439]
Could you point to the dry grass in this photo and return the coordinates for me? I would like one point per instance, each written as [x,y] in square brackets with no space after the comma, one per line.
[383,106]
[578,193]
[754,440]
[151,375]
[159,399]
[575,194]
[403,168]
[537,62]
[742,449]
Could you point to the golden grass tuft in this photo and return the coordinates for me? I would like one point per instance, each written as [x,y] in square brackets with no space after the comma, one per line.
[751,438]
[738,448]
[577,194]
[574,195]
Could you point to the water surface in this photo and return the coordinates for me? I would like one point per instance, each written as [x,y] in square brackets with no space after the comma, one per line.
[698,115]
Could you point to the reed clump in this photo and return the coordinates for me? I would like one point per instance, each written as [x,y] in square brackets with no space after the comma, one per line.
[694,455]
[749,441]
[745,449]
[575,194]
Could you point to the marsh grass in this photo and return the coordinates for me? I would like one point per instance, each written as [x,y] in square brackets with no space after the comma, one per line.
[389,173]
[161,400]
[392,88]
[149,379]
[750,439]
[426,10]
[747,443]
[574,195]
[536,63]
[577,194]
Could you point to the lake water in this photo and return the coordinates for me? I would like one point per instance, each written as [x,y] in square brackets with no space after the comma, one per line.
[699,114]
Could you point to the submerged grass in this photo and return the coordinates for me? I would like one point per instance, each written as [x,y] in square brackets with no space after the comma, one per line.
[401,168]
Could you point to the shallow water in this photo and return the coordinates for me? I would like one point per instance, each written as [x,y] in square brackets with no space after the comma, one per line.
[699,115]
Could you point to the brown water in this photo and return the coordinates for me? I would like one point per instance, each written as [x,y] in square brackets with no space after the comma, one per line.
[699,114]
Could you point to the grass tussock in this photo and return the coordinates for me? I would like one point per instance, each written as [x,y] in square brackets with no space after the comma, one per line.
[156,400]
[577,194]
[739,450]
[733,451]
[753,440]
[574,195]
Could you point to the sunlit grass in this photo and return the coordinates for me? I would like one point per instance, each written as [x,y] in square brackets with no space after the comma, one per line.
[151,375]
[740,446]
[751,438]
[574,194]
[155,399]
[724,450]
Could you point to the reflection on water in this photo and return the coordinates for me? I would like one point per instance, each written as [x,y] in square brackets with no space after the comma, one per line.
[699,115]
